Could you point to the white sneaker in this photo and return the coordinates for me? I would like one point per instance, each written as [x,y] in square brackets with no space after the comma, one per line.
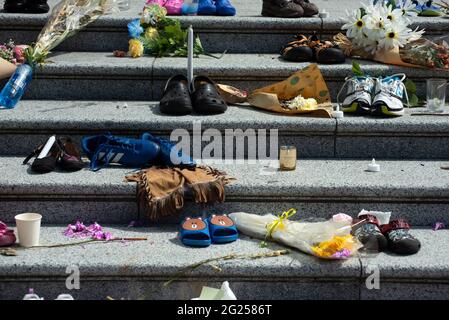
[389,93]
[359,95]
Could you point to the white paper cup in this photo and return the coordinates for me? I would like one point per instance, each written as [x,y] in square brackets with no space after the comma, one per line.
[28,229]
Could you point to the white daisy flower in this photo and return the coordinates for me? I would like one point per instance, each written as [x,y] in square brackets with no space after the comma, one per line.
[408,9]
[369,44]
[415,34]
[395,15]
[397,35]
[356,24]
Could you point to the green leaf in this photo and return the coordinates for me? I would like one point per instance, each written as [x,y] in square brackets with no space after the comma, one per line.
[356,69]
[363,11]
[410,86]
[263,244]
[414,101]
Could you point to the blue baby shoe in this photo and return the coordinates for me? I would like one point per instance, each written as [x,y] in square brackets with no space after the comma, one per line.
[105,149]
[225,8]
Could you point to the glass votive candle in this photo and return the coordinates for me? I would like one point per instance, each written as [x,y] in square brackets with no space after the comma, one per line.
[287,158]
[436,94]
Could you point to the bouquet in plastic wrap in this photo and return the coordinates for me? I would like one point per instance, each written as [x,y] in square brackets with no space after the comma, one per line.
[156,34]
[380,32]
[67,18]
[330,239]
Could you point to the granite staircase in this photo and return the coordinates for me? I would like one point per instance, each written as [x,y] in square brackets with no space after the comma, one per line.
[88,91]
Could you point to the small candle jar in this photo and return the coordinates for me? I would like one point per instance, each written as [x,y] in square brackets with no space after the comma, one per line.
[287,158]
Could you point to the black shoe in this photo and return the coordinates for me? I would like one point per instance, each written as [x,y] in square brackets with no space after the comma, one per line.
[15,6]
[205,98]
[326,52]
[310,9]
[282,9]
[37,6]
[176,97]
[400,241]
[70,159]
[298,50]
[369,234]
[48,162]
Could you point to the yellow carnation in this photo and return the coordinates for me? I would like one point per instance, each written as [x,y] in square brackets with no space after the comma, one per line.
[151,33]
[135,48]
[301,103]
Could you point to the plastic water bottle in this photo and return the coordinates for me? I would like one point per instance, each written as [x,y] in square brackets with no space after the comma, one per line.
[123,5]
[190,7]
[16,86]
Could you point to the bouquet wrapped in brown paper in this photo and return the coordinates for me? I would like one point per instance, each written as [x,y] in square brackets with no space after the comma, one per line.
[380,32]
[417,54]
[305,92]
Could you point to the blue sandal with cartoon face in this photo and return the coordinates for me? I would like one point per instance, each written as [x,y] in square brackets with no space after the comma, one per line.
[222,229]
[195,233]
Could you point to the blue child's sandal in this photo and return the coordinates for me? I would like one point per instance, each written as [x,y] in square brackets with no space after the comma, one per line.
[195,233]
[222,229]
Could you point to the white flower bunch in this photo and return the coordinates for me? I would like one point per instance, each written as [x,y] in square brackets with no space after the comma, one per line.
[379,26]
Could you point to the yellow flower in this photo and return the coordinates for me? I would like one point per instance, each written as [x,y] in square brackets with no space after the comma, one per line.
[301,103]
[151,33]
[135,48]
[327,249]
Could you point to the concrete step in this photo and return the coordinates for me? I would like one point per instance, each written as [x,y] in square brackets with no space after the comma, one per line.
[100,76]
[248,32]
[407,137]
[138,270]
[416,190]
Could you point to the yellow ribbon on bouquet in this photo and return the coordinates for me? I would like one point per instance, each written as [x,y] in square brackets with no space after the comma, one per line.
[279,222]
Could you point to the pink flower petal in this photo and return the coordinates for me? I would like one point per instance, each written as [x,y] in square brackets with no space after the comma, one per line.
[438,226]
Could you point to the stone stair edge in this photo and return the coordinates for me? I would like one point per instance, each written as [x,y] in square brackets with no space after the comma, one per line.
[430,264]
[213,24]
[409,181]
[33,116]
[266,66]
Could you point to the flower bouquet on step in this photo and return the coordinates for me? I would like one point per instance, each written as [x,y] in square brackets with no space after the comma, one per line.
[330,239]
[380,32]
[10,56]
[66,19]
[156,34]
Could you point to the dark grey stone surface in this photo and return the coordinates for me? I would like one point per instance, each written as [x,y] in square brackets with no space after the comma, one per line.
[416,190]
[407,137]
[95,76]
[124,270]
[100,76]
[248,32]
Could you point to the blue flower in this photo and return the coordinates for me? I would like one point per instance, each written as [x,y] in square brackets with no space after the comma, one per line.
[134,28]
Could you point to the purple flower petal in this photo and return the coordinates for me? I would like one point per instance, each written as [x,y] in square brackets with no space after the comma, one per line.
[94,231]
[97,235]
[132,224]
[79,226]
[438,226]
[95,227]
[107,236]
[343,254]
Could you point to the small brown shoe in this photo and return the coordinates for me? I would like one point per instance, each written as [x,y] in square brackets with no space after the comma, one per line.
[298,50]
[310,9]
[282,9]
[326,52]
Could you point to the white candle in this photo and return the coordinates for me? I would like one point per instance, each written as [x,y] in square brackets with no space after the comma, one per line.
[373,166]
[337,113]
[190,41]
